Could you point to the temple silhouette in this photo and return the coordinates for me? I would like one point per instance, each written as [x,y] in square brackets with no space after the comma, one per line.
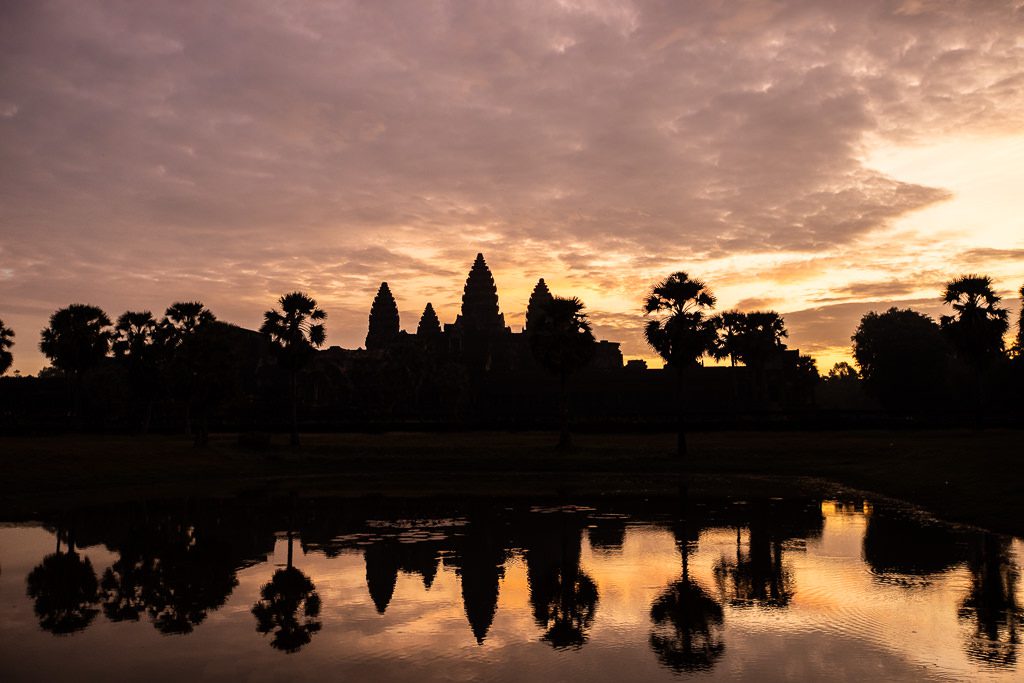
[479,339]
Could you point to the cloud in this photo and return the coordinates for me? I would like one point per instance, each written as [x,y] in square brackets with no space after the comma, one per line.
[235,150]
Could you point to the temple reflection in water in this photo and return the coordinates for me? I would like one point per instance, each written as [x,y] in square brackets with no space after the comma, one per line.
[689,584]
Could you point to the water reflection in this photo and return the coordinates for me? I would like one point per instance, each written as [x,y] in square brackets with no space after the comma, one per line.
[550,565]
[288,607]
[563,597]
[991,606]
[64,589]
[688,622]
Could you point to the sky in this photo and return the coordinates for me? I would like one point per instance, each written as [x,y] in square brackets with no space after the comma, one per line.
[821,159]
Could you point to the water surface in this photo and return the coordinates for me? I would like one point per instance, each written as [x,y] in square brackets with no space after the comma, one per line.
[392,590]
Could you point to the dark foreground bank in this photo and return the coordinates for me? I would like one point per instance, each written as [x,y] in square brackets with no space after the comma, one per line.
[966,476]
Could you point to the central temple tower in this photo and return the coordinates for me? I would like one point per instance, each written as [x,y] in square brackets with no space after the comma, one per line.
[480,313]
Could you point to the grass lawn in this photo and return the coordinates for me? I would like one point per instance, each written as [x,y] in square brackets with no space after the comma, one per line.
[963,476]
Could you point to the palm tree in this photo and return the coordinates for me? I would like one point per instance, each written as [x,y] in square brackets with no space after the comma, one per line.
[562,343]
[6,342]
[976,327]
[77,340]
[1020,324]
[135,345]
[181,333]
[727,326]
[978,324]
[758,340]
[680,332]
[295,331]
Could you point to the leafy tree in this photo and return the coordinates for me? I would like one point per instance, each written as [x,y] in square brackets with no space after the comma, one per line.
[136,346]
[539,298]
[76,341]
[978,324]
[680,330]
[384,323]
[842,372]
[6,342]
[295,331]
[902,357]
[562,343]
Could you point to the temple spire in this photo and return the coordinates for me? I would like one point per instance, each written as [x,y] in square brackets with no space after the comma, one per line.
[384,322]
[540,296]
[480,300]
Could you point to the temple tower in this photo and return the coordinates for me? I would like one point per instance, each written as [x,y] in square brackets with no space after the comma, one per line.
[480,312]
[384,321]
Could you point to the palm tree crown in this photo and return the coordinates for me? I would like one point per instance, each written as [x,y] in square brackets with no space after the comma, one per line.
[297,327]
[134,332]
[978,324]
[78,338]
[560,335]
[6,342]
[681,331]
[184,318]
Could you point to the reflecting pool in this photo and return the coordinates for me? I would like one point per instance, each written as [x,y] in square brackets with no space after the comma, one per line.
[506,590]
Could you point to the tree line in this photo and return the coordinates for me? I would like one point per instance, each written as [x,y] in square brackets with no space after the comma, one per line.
[905,358]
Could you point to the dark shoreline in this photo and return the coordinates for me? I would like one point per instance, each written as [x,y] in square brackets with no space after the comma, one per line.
[958,475]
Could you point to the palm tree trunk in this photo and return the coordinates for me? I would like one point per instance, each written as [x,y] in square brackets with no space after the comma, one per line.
[76,400]
[564,438]
[681,416]
[289,547]
[295,407]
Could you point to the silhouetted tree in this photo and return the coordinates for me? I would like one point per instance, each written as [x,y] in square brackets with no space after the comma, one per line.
[195,357]
[76,341]
[727,327]
[758,341]
[384,323]
[681,332]
[294,332]
[136,346]
[975,329]
[978,324]
[65,590]
[1020,324]
[842,372]
[289,606]
[902,357]
[562,343]
[540,296]
[6,342]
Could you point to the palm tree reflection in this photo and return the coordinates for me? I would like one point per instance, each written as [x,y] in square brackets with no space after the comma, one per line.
[289,606]
[688,622]
[563,596]
[65,590]
[991,604]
